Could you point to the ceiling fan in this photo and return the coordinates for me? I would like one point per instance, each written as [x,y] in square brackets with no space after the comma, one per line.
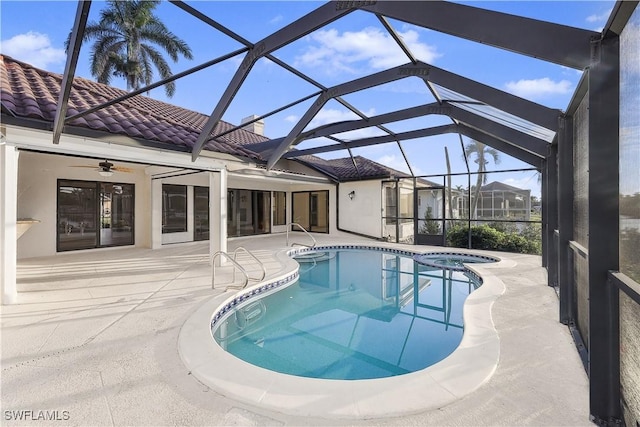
[106,168]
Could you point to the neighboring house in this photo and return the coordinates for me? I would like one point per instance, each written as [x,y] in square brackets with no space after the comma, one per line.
[380,201]
[502,201]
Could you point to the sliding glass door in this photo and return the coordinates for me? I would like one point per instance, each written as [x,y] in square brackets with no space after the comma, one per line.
[248,212]
[116,214]
[94,214]
[311,210]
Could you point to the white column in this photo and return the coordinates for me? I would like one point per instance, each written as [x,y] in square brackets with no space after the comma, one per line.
[156,213]
[218,211]
[8,218]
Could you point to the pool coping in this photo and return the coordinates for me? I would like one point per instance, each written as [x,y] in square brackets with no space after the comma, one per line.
[465,370]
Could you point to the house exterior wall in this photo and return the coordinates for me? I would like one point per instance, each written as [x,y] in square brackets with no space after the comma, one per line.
[41,164]
[38,176]
[363,213]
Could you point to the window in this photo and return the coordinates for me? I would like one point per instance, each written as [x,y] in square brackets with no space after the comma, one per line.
[201,213]
[174,208]
[390,199]
[248,212]
[94,215]
[406,202]
[279,208]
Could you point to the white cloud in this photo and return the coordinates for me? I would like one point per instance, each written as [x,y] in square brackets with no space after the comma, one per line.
[33,48]
[571,72]
[396,162]
[338,52]
[330,115]
[526,183]
[599,18]
[291,118]
[539,88]
[360,133]
[276,19]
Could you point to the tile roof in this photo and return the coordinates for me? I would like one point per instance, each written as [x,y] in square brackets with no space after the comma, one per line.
[501,186]
[28,92]
[343,169]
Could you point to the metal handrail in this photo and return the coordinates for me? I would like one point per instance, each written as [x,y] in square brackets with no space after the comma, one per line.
[234,262]
[578,248]
[305,231]
[264,270]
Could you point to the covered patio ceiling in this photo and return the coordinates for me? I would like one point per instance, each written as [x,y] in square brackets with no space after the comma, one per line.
[513,125]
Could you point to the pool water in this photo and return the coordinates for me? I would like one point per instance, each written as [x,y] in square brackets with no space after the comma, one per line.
[453,261]
[354,314]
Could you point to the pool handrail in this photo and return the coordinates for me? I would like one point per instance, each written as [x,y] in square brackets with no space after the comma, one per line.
[235,253]
[236,265]
[305,231]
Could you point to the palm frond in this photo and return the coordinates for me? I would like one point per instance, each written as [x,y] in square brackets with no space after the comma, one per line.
[157,33]
[163,68]
[118,47]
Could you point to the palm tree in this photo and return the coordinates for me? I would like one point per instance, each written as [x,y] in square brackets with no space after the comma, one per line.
[124,44]
[482,153]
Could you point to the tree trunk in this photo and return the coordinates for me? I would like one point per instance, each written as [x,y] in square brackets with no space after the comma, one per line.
[449,196]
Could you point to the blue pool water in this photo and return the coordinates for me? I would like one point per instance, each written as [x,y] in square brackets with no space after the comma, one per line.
[452,261]
[353,314]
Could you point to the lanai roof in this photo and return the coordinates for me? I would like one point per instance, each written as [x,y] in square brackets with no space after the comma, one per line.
[518,127]
[30,93]
[501,186]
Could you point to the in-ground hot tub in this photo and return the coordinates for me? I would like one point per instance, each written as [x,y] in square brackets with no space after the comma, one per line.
[452,260]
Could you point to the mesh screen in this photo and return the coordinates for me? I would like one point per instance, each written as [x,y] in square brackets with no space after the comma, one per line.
[581,212]
[581,281]
[630,216]
[630,358]
[630,148]
[581,174]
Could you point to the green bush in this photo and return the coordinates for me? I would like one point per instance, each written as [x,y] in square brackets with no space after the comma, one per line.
[492,238]
[629,253]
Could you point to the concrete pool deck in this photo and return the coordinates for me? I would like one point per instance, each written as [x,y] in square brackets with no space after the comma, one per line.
[95,334]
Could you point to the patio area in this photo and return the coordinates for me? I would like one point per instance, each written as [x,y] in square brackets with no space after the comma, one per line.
[95,334]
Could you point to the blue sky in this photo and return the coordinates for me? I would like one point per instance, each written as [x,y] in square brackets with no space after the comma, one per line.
[349,48]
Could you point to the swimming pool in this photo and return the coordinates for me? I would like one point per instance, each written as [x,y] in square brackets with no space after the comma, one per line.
[352,314]
[470,365]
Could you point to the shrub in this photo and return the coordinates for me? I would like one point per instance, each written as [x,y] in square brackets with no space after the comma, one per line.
[629,253]
[489,238]
[514,243]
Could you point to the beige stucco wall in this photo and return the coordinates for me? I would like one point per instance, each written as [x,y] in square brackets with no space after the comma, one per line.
[38,175]
[363,213]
